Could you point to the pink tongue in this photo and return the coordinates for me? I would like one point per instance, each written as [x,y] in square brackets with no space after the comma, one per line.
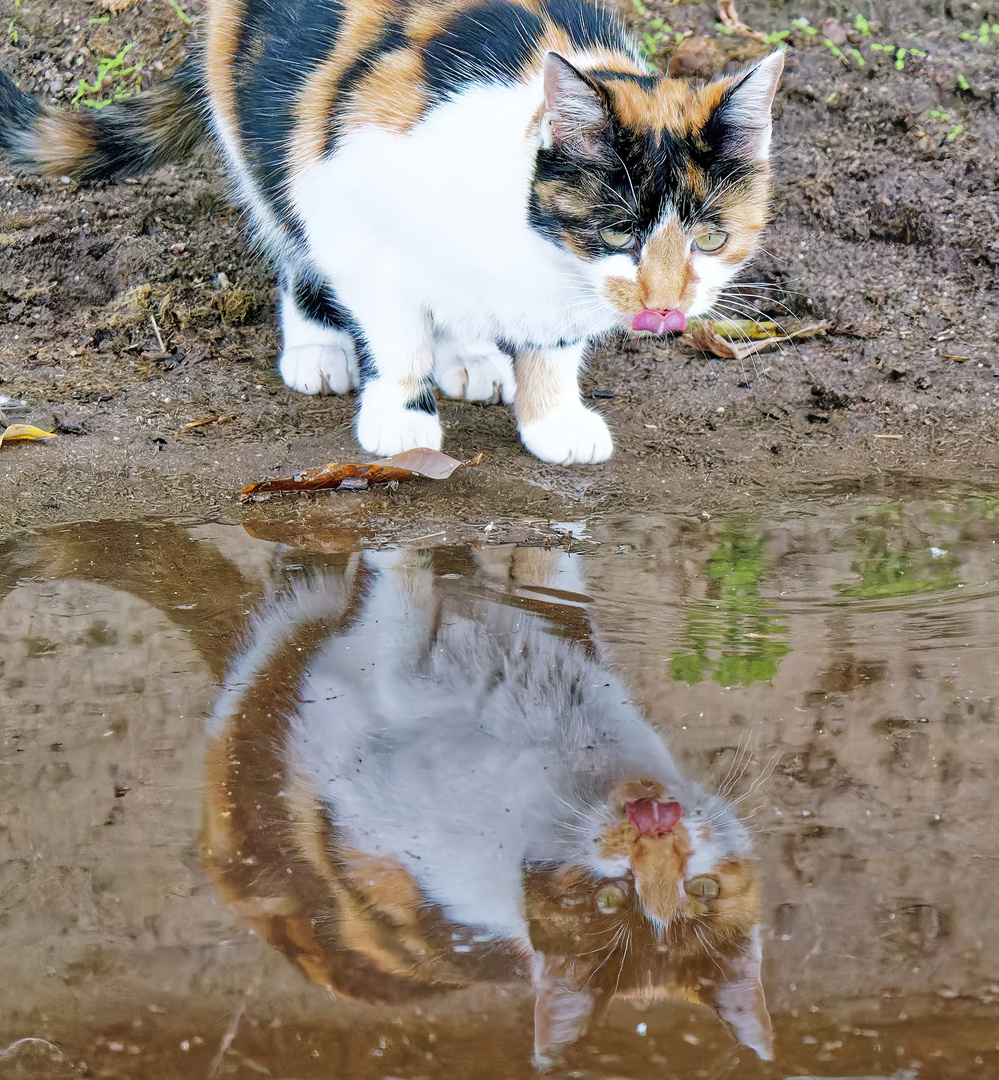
[653,818]
[660,322]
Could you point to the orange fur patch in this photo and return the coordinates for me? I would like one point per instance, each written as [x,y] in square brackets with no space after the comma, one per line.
[744,210]
[672,104]
[658,864]
[61,144]
[362,23]
[539,387]
[225,19]
[663,272]
[392,95]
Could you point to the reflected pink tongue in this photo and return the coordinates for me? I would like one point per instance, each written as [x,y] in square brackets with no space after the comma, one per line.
[660,322]
[653,818]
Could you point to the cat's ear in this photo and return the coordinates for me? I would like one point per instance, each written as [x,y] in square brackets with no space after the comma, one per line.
[574,113]
[741,121]
[738,998]
[565,1003]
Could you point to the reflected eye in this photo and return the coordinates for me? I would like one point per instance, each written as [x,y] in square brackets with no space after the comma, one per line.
[611,898]
[613,238]
[703,887]
[710,241]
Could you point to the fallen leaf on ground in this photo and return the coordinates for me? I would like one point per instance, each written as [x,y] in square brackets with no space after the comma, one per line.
[735,339]
[431,464]
[695,57]
[25,431]
[730,20]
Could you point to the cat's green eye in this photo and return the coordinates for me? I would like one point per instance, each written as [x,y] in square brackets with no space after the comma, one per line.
[711,241]
[611,898]
[615,239]
[702,888]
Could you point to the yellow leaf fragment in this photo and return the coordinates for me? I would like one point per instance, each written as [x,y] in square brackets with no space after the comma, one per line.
[24,431]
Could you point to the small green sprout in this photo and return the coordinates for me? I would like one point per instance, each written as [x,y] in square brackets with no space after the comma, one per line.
[899,59]
[831,98]
[962,82]
[775,37]
[99,22]
[653,38]
[861,25]
[723,29]
[804,26]
[858,58]
[833,48]
[938,115]
[111,74]
[954,132]
[187,18]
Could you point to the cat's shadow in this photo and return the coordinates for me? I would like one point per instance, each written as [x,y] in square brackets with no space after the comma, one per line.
[420,782]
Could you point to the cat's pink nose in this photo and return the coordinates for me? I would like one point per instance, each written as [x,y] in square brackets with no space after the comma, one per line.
[660,322]
[653,818]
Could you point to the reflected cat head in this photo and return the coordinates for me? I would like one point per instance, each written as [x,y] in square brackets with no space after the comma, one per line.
[413,791]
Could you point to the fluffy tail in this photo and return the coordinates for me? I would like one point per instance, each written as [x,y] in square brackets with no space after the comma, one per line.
[131,136]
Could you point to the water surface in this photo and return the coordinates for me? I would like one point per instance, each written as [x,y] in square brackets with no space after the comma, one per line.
[835,667]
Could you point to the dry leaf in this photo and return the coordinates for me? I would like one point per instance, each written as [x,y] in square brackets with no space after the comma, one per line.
[422,461]
[752,336]
[25,431]
[730,20]
[696,57]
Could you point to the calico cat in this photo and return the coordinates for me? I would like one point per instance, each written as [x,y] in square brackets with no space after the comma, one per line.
[411,791]
[443,184]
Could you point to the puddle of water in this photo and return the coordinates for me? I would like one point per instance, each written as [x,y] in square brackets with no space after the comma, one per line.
[832,672]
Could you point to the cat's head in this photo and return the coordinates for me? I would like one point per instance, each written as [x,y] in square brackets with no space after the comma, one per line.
[661,898]
[659,186]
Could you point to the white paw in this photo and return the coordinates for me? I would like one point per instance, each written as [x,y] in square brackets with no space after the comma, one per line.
[474,371]
[572,434]
[330,368]
[387,431]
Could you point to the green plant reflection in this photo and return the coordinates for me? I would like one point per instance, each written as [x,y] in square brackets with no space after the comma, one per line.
[890,566]
[730,636]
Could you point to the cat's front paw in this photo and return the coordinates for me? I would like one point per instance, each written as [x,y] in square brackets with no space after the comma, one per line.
[474,371]
[570,435]
[387,431]
[329,368]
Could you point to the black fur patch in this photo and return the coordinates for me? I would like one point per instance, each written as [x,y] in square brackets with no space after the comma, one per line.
[601,76]
[487,43]
[18,112]
[317,301]
[279,49]
[588,25]
[425,400]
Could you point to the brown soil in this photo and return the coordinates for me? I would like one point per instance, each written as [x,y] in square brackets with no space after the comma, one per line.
[131,310]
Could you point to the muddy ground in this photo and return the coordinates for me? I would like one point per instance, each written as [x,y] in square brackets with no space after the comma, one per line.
[130,310]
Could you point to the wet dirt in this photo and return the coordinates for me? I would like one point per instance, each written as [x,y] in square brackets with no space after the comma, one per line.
[131,310]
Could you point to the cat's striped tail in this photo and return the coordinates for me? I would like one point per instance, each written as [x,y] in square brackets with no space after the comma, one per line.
[127,137]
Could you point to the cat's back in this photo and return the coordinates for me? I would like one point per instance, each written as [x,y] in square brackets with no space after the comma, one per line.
[289,79]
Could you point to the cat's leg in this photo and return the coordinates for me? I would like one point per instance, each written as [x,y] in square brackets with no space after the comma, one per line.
[398,410]
[319,354]
[554,423]
[472,370]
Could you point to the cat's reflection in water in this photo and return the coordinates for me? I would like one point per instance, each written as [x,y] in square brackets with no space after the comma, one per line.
[414,789]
